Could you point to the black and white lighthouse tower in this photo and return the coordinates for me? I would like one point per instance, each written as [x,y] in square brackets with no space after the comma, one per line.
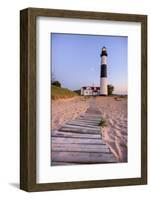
[103,74]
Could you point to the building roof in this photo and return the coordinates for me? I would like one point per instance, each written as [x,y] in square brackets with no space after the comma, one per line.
[91,87]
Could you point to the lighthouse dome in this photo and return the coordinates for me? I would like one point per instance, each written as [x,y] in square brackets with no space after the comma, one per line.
[104,52]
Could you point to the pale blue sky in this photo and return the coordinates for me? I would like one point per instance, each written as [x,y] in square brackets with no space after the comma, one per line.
[76,60]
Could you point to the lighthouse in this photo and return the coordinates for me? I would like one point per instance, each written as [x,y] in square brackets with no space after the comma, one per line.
[103,74]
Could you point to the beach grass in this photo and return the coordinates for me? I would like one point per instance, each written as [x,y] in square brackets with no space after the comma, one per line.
[102,123]
[61,93]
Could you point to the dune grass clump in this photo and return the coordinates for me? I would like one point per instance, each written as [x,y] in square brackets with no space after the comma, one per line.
[102,123]
[61,93]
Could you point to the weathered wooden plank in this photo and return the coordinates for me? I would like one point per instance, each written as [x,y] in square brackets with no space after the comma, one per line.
[75,135]
[78,130]
[87,123]
[82,128]
[76,140]
[90,119]
[93,123]
[82,157]
[62,163]
[80,148]
[82,125]
[91,115]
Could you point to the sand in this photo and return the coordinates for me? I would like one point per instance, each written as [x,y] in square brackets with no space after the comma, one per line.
[113,111]
[64,110]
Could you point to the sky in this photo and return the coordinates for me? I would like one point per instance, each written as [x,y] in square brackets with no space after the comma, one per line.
[76,60]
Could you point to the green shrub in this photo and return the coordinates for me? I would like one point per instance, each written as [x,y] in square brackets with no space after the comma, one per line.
[56,83]
[110,89]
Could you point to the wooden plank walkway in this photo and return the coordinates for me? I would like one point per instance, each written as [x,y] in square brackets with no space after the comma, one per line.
[79,141]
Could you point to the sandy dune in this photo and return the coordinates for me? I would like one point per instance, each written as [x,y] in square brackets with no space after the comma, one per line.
[64,110]
[113,111]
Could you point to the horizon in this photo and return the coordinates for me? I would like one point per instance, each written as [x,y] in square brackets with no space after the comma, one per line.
[76,60]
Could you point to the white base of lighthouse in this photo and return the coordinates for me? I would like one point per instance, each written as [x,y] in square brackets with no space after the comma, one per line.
[103,86]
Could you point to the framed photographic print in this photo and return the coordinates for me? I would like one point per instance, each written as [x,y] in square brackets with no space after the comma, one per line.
[83,99]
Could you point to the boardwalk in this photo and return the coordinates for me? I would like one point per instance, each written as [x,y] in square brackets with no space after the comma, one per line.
[79,141]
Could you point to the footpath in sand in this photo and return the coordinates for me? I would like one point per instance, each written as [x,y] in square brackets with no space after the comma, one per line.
[79,141]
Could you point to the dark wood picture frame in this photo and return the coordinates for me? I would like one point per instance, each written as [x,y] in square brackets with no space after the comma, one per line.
[28,99]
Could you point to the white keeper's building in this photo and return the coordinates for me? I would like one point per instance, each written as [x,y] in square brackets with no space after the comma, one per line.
[90,91]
